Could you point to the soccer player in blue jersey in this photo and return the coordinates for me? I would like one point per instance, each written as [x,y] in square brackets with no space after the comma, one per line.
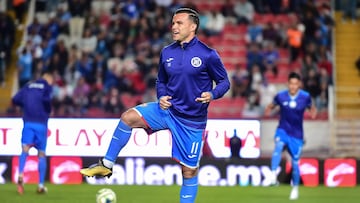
[293,103]
[35,100]
[187,70]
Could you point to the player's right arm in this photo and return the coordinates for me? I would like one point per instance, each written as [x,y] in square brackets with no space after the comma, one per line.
[161,80]
[270,107]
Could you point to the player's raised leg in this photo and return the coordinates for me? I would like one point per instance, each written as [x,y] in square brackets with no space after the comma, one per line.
[119,139]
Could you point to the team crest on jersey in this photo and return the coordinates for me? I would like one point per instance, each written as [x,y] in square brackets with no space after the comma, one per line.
[292,104]
[168,61]
[196,62]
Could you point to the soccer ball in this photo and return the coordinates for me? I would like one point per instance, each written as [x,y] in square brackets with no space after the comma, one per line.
[105,195]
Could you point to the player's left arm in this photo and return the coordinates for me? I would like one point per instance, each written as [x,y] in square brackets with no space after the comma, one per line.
[217,72]
[47,98]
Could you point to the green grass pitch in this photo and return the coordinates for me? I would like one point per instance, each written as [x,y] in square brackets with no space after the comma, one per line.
[85,193]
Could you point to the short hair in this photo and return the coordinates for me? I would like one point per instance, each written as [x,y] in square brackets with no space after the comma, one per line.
[294,75]
[193,15]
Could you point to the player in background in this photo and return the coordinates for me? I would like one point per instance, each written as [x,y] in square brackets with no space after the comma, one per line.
[292,102]
[35,101]
[187,70]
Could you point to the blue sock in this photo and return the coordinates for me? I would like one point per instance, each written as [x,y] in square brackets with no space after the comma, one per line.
[119,139]
[276,156]
[295,172]
[189,190]
[42,169]
[22,161]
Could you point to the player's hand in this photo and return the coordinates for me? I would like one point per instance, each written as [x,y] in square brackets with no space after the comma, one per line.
[313,112]
[164,102]
[268,110]
[206,97]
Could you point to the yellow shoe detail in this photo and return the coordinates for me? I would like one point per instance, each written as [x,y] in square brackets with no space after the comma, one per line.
[96,170]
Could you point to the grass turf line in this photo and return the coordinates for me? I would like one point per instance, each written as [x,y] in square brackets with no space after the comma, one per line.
[85,193]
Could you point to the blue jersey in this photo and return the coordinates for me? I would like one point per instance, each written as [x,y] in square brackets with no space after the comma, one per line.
[292,110]
[185,71]
[35,100]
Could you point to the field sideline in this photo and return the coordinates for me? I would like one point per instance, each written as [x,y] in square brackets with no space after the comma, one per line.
[169,194]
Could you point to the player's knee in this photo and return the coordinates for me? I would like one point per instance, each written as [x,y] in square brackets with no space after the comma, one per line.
[41,154]
[125,117]
[295,161]
[295,165]
[279,143]
[132,119]
[278,147]
[189,172]
[25,148]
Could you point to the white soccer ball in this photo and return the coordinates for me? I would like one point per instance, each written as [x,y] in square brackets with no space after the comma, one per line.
[105,195]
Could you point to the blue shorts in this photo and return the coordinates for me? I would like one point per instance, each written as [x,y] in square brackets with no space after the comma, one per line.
[34,134]
[293,144]
[187,142]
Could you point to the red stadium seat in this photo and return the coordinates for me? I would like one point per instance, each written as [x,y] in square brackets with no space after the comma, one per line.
[226,108]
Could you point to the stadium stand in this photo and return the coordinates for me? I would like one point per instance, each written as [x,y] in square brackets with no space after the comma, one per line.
[119,41]
[9,38]
[347,103]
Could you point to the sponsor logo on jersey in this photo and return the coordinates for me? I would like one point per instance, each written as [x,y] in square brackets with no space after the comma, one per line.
[168,61]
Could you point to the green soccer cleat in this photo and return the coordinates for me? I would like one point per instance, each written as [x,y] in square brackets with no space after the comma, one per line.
[98,170]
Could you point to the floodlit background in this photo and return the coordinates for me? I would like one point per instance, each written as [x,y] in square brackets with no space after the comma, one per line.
[104,55]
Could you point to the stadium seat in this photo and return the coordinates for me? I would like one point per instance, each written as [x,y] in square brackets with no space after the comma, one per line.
[226,108]
[96,113]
